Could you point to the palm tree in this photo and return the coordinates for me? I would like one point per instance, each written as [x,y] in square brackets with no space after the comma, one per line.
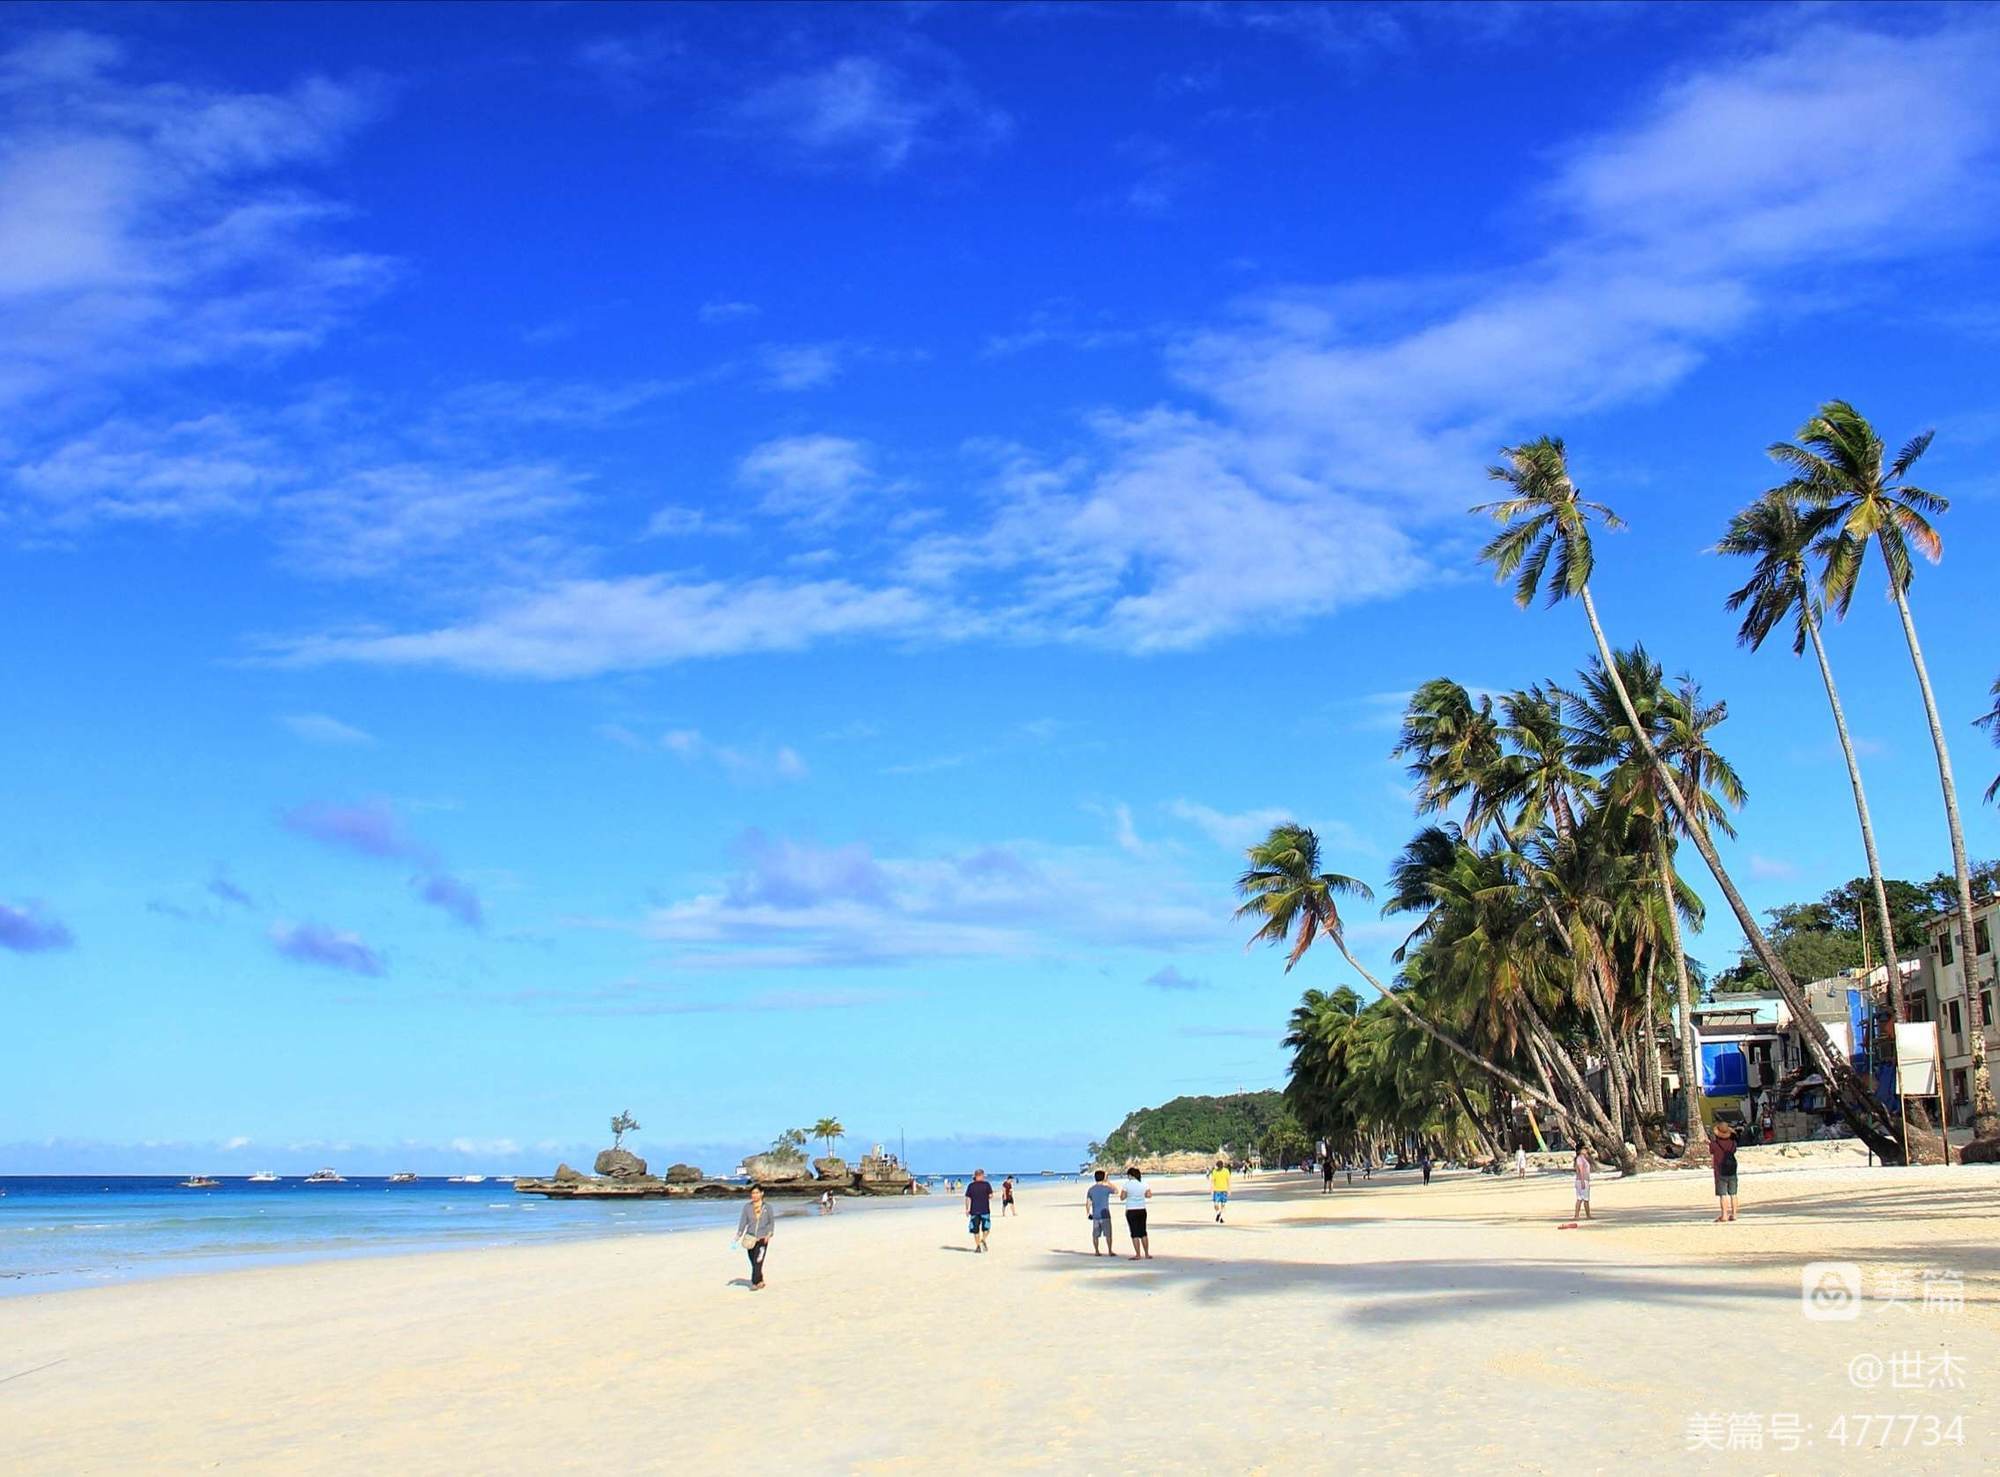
[1298,903]
[1836,463]
[1451,742]
[1547,520]
[1991,723]
[1776,533]
[827,1130]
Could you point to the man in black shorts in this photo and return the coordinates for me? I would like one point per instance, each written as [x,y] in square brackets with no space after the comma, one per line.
[979,1208]
[1135,1195]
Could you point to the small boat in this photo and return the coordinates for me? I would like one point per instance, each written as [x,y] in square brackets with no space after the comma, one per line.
[199,1182]
[467,1179]
[402,1177]
[326,1177]
[263,1177]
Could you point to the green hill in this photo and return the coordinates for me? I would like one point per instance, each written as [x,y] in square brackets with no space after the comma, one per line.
[1200,1124]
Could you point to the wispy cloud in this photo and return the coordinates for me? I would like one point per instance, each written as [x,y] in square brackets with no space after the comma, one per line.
[800,904]
[815,479]
[314,943]
[148,225]
[31,930]
[1172,979]
[727,310]
[371,829]
[223,889]
[318,728]
[1233,831]
[1769,868]
[454,896]
[781,763]
[868,113]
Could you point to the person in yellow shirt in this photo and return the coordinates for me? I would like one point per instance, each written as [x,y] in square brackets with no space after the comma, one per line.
[1218,1183]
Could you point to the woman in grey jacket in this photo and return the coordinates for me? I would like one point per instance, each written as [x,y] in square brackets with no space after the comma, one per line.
[754,1229]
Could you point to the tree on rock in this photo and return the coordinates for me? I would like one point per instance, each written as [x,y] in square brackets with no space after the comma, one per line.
[623,1124]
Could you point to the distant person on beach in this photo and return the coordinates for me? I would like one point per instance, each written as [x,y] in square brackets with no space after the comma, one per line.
[1218,1186]
[826,1202]
[1135,1194]
[1425,1165]
[979,1208]
[1722,1151]
[1582,1170]
[1326,1174]
[1521,1160]
[1098,1200]
[1007,1196]
[754,1229]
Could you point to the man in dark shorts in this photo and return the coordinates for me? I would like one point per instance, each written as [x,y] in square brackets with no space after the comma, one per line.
[979,1208]
[1326,1172]
[1097,1199]
[1007,1196]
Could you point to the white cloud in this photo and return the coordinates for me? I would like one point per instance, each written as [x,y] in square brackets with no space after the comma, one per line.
[815,478]
[147,225]
[318,728]
[582,628]
[798,904]
[727,311]
[801,366]
[1772,869]
[864,112]
[781,763]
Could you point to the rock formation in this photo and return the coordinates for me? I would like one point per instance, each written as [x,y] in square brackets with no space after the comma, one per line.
[620,1164]
[683,1174]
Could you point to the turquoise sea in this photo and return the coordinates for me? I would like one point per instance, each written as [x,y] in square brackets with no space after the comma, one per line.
[85,1230]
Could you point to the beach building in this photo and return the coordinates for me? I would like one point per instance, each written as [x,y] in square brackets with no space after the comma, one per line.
[1754,1066]
[1940,994]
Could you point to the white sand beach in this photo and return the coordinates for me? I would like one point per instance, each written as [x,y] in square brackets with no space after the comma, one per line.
[1387,1327]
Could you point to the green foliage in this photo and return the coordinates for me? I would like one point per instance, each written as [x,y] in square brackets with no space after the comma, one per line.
[1203,1125]
[1284,1143]
[1817,940]
[789,1146]
[623,1124]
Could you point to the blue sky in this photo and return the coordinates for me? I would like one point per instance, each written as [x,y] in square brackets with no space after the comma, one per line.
[754,563]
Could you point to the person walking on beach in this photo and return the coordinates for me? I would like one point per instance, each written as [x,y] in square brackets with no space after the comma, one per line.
[1326,1174]
[1098,1200]
[1582,1170]
[754,1229]
[1722,1152]
[1425,1165]
[1007,1196]
[1521,1160]
[1135,1194]
[1218,1185]
[979,1208]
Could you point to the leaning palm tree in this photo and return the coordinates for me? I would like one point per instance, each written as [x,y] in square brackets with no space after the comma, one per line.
[1836,463]
[1776,533]
[1548,522]
[827,1130]
[1299,904]
[1991,723]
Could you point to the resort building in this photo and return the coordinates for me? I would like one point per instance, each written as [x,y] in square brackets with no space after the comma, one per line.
[1940,994]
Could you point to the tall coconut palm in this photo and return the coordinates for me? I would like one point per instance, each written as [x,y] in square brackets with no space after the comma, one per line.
[1837,463]
[1678,724]
[1451,741]
[1776,533]
[1299,904]
[1548,522]
[829,1131]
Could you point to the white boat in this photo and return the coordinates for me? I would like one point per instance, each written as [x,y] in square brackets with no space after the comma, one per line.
[325,1177]
[263,1177]
[467,1179]
[199,1182]
[402,1177]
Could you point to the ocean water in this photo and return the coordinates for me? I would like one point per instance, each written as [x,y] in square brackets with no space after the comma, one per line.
[86,1230]
[71,1231]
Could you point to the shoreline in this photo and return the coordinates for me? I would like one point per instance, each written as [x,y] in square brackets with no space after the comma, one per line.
[1387,1319]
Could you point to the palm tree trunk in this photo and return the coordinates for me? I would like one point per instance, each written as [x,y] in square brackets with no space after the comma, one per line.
[1858,1105]
[1889,955]
[1696,1151]
[1985,1115]
[1588,1120]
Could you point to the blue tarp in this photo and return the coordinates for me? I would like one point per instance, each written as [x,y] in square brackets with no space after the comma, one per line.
[1724,1071]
